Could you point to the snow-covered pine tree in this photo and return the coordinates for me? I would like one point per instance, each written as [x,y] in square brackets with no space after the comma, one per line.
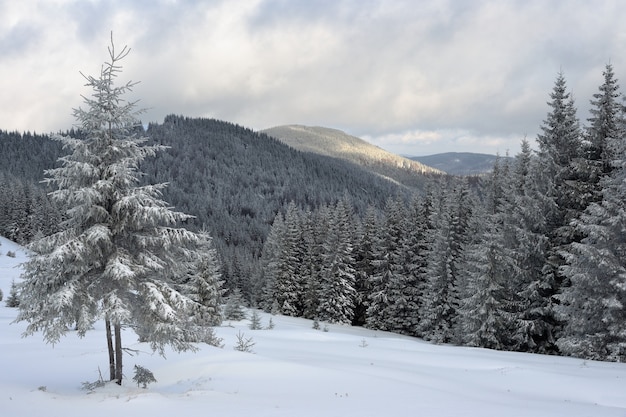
[365,247]
[314,229]
[605,125]
[14,298]
[451,214]
[487,303]
[528,223]
[384,265]
[271,261]
[119,254]
[336,291]
[204,286]
[559,153]
[403,234]
[288,286]
[594,304]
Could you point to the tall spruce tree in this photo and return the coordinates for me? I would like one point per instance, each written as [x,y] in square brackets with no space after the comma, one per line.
[385,267]
[558,157]
[487,304]
[406,233]
[337,274]
[594,303]
[367,242]
[119,255]
[605,125]
[451,216]
[528,223]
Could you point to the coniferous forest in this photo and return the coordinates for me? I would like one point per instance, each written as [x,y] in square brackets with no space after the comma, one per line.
[530,257]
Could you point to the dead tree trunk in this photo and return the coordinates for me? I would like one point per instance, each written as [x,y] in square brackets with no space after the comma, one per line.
[107,325]
[118,353]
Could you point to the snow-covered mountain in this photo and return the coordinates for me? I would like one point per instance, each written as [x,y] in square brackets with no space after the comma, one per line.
[338,144]
[295,370]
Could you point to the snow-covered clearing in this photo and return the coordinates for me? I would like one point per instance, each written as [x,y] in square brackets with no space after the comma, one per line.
[296,371]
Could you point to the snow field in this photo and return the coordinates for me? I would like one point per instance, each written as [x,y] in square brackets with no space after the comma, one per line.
[296,371]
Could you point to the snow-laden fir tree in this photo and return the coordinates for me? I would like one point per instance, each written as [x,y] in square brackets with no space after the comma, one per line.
[119,255]
[557,165]
[314,228]
[528,223]
[284,287]
[451,215]
[204,286]
[605,125]
[336,290]
[384,265]
[367,243]
[401,238]
[594,305]
[486,316]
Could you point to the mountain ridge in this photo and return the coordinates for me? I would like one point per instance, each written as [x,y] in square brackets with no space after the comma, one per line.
[338,144]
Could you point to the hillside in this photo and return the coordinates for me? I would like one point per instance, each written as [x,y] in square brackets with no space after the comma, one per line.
[459,163]
[232,179]
[295,371]
[338,144]
[235,180]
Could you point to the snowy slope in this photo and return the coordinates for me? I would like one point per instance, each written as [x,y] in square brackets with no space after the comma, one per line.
[298,371]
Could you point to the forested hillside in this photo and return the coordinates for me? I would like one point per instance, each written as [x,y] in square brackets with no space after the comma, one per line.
[235,180]
[24,205]
[232,179]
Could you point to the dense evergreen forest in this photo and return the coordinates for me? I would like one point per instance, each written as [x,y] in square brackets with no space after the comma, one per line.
[235,180]
[530,258]
[232,179]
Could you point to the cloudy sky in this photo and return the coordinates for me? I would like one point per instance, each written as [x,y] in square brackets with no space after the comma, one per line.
[413,77]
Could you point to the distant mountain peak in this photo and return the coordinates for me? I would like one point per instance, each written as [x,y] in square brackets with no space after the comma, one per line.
[459,163]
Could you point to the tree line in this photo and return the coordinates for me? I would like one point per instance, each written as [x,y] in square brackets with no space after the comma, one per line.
[532,260]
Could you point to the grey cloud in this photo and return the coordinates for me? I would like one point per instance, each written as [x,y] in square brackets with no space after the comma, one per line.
[19,38]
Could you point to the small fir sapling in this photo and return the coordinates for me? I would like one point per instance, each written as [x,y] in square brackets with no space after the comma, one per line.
[255,321]
[316,324]
[1,294]
[143,376]
[270,326]
[14,299]
[244,344]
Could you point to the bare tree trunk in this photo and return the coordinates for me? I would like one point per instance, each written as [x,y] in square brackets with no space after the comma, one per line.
[118,353]
[107,325]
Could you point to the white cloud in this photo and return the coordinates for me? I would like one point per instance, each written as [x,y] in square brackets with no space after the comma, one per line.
[435,69]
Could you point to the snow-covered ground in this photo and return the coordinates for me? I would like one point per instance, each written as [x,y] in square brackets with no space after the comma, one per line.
[296,371]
